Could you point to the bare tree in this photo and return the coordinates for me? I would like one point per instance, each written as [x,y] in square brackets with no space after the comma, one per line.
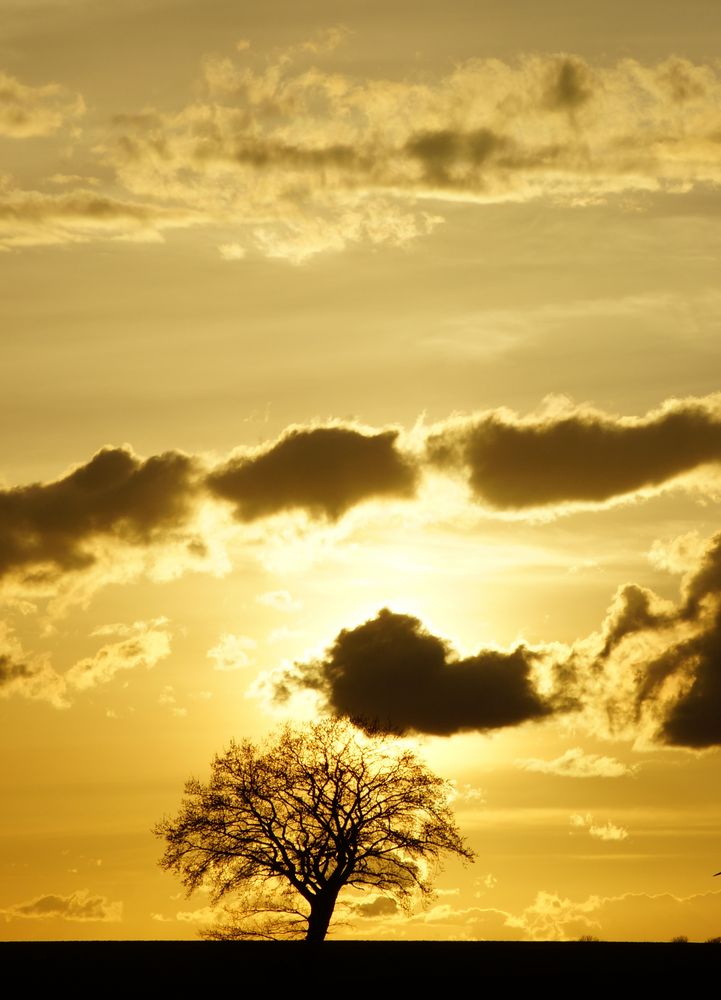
[291,823]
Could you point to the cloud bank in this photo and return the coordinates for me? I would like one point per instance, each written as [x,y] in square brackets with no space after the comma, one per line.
[118,499]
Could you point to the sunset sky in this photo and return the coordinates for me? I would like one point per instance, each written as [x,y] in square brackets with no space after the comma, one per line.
[364,358]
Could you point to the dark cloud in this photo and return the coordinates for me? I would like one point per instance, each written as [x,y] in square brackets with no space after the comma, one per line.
[634,609]
[280,154]
[323,470]
[585,456]
[695,719]
[441,150]
[705,581]
[569,85]
[11,671]
[693,664]
[51,526]
[391,674]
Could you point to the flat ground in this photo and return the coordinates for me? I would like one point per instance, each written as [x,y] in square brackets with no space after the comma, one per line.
[344,963]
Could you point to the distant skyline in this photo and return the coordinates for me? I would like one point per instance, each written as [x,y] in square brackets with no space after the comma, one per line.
[364,359]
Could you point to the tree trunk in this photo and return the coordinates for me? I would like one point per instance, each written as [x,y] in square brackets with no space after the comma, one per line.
[321,911]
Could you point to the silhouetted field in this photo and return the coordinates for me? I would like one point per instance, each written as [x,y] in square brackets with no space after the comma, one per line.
[337,964]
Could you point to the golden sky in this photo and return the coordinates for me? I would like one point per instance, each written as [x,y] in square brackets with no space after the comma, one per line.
[364,358]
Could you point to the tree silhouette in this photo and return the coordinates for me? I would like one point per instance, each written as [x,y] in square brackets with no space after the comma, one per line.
[285,826]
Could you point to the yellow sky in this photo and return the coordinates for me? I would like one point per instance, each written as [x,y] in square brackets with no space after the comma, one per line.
[315,310]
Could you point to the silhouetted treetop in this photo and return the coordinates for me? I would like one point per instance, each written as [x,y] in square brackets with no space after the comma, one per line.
[312,811]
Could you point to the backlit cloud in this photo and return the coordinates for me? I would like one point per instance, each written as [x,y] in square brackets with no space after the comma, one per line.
[648,675]
[391,674]
[580,455]
[47,528]
[652,670]
[322,470]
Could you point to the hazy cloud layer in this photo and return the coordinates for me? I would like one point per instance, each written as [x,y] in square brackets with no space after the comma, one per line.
[391,674]
[78,906]
[299,160]
[328,160]
[580,455]
[323,470]
[26,111]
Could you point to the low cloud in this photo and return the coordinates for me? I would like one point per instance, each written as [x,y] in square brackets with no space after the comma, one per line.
[26,112]
[554,917]
[322,470]
[574,763]
[619,918]
[393,675]
[578,456]
[378,906]
[78,906]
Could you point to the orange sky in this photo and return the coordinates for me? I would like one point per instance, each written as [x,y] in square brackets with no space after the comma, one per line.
[315,310]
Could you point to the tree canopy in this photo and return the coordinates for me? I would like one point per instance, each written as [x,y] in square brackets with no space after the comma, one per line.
[286,825]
